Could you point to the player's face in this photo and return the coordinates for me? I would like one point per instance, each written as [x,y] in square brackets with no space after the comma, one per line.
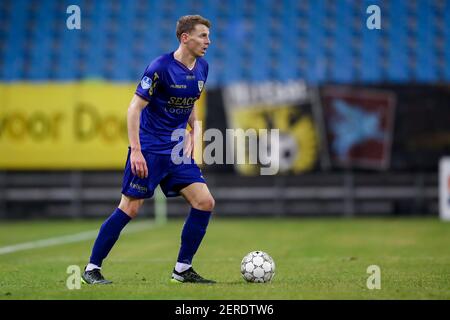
[198,40]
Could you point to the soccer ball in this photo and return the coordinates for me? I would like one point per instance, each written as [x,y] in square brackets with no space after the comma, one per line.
[257,266]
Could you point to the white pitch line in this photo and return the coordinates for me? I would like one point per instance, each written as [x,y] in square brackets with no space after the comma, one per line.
[82,236]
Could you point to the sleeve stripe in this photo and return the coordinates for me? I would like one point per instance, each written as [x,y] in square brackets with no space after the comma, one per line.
[142,96]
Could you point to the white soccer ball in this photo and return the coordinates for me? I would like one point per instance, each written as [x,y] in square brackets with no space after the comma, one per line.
[257,266]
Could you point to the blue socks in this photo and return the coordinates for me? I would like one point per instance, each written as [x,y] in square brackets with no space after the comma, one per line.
[192,235]
[193,231]
[108,235]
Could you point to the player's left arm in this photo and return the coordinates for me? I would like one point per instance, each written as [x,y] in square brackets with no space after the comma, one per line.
[192,118]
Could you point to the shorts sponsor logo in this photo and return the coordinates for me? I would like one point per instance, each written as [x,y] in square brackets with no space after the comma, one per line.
[138,187]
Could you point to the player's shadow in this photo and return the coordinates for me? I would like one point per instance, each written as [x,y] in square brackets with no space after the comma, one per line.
[238,283]
[233,282]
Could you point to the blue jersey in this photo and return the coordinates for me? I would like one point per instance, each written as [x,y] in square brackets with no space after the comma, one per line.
[171,90]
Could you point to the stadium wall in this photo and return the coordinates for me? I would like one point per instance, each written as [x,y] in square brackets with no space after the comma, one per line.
[63,156]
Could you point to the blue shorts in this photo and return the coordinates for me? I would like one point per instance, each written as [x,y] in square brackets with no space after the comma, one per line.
[161,170]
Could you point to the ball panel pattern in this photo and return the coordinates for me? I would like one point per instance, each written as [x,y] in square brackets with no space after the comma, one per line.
[258,266]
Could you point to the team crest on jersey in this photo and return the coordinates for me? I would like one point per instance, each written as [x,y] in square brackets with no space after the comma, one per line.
[200,85]
[146,83]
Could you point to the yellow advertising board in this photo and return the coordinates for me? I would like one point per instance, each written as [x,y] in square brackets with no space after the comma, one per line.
[65,125]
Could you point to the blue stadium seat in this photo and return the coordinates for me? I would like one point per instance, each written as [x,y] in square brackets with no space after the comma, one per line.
[15,39]
[120,37]
[397,55]
[371,56]
[425,65]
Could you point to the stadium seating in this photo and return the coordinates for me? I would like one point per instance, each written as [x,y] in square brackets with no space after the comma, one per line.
[320,41]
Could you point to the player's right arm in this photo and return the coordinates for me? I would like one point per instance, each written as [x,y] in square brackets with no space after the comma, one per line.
[142,96]
[137,160]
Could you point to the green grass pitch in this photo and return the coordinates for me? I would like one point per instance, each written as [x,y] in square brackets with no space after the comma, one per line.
[315,259]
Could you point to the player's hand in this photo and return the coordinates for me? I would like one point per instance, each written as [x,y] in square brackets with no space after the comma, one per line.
[188,150]
[138,164]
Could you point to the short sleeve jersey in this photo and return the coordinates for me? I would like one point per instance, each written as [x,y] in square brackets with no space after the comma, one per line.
[171,90]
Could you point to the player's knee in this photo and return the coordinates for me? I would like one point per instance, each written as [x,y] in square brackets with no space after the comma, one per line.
[131,208]
[205,203]
[132,211]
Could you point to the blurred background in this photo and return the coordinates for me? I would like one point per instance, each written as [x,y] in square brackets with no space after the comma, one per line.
[363,112]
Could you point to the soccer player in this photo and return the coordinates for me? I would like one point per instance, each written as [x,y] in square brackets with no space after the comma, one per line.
[163,102]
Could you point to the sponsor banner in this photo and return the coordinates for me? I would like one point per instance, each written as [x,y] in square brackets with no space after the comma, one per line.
[358,126]
[65,126]
[421,133]
[283,106]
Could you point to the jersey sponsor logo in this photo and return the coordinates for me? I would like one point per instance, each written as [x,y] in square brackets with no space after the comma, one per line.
[181,102]
[178,86]
[178,110]
[146,83]
[200,85]
[190,77]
